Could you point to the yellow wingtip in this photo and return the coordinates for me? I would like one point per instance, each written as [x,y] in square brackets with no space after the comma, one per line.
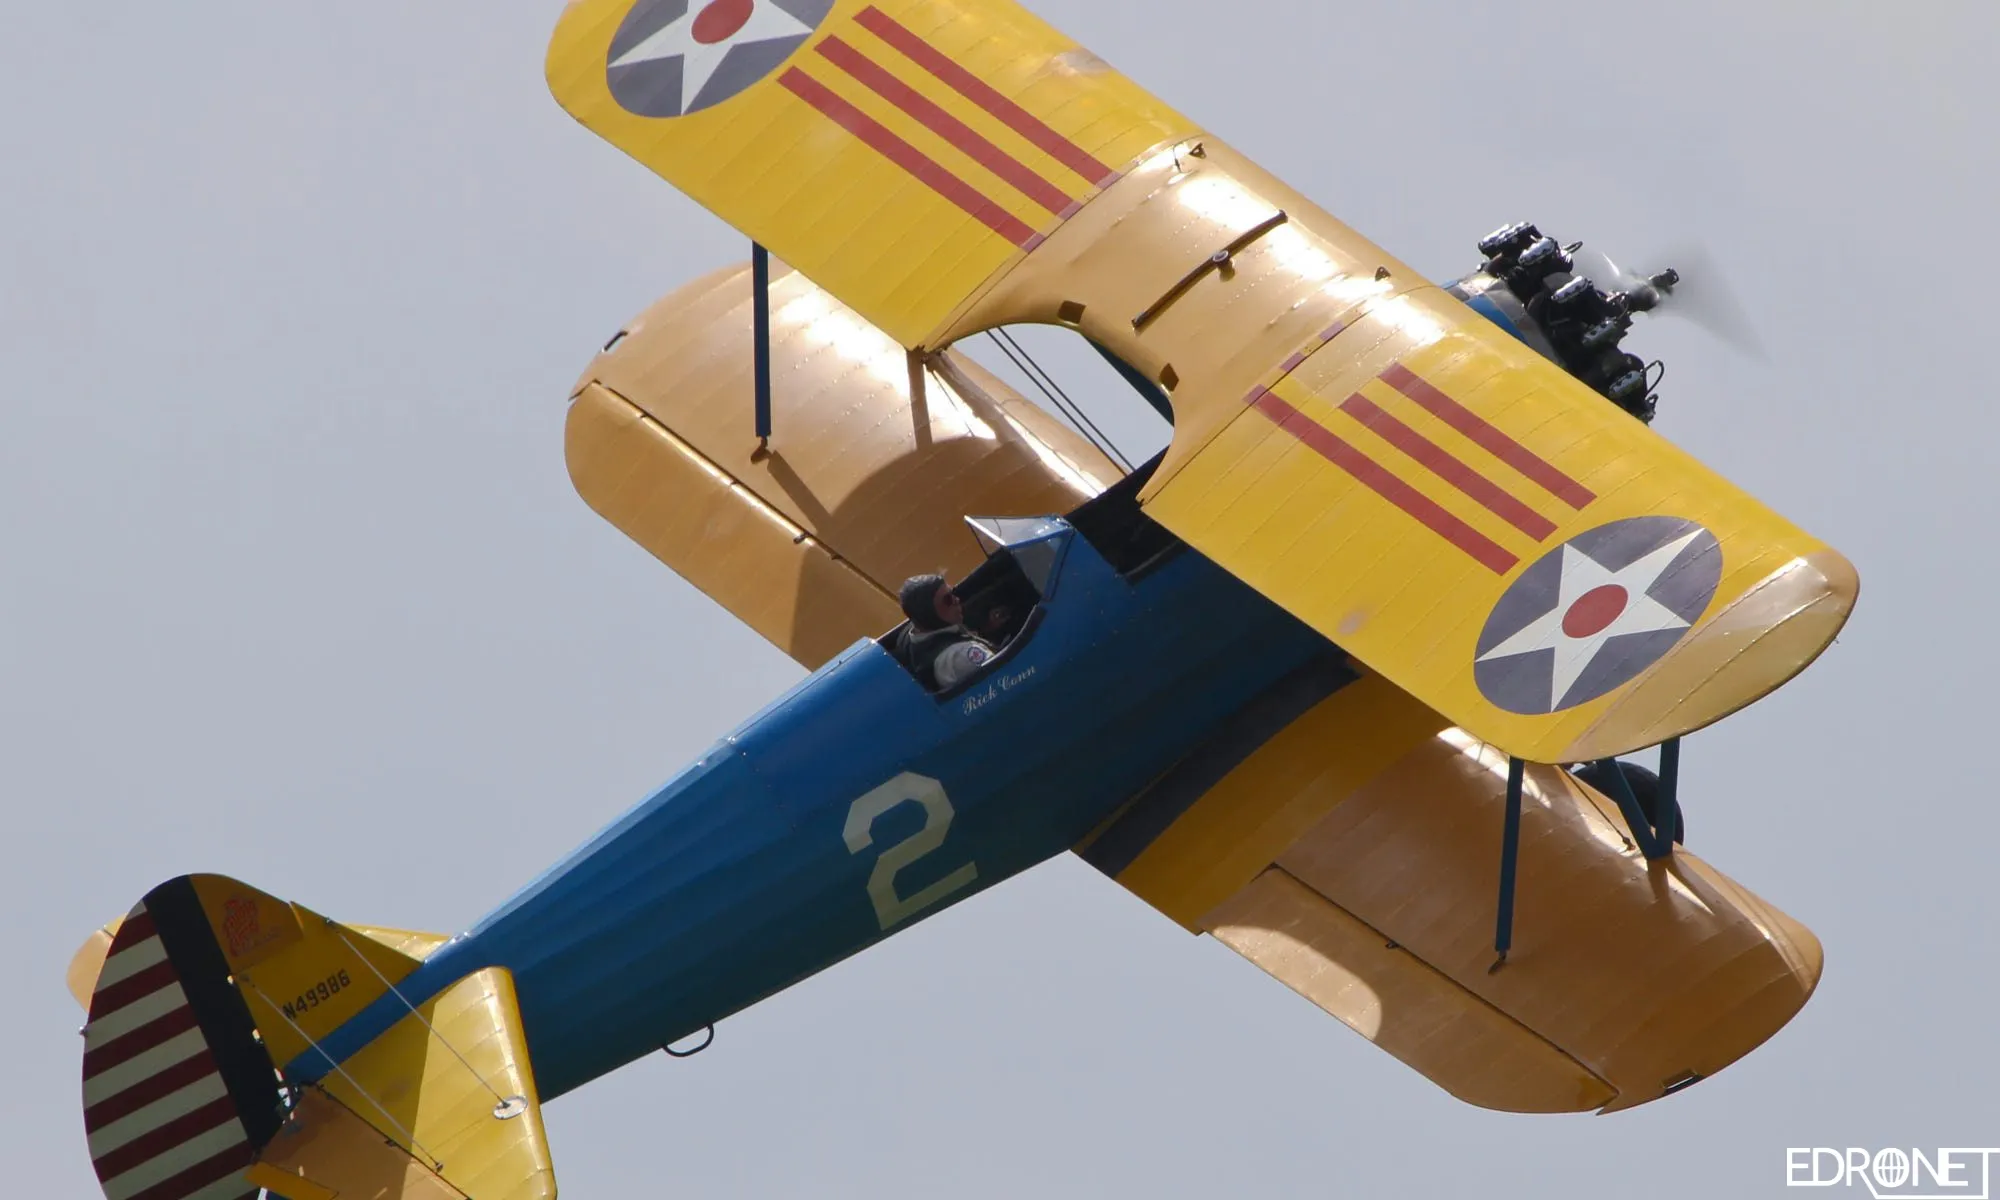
[1749,649]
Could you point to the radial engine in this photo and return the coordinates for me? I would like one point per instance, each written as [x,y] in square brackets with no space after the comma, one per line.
[1530,286]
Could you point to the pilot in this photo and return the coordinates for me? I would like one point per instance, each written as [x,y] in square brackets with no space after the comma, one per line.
[935,646]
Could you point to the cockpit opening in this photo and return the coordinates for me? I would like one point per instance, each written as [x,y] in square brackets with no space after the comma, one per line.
[958,633]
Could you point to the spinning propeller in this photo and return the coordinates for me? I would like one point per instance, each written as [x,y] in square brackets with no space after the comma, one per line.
[1697,293]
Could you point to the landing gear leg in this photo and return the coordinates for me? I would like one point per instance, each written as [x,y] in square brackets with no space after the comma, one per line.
[1655,822]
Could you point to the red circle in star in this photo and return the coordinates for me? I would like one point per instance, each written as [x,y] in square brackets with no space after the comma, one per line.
[721,19]
[1594,610]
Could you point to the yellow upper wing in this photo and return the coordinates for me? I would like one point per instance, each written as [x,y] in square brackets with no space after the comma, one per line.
[1509,548]
[898,153]
[1449,507]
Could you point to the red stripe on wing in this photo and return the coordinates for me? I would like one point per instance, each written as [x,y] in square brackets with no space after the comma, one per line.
[946,126]
[1487,436]
[896,150]
[1384,483]
[977,90]
[1441,463]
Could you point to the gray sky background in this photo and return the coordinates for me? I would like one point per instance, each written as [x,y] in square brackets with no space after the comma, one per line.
[293,584]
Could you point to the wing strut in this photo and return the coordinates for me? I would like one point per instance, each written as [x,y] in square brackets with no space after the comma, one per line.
[760,332]
[1655,836]
[1510,853]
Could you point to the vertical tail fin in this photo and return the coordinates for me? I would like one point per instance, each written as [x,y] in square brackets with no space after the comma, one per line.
[208,986]
[178,1089]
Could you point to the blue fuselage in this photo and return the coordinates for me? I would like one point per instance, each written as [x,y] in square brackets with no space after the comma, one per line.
[859,803]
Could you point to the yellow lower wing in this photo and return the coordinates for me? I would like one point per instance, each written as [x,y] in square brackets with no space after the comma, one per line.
[1355,858]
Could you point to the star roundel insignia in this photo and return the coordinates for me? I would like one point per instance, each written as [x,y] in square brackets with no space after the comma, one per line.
[1594,612]
[674,57]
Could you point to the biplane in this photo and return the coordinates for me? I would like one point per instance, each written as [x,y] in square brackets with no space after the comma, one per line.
[1344,678]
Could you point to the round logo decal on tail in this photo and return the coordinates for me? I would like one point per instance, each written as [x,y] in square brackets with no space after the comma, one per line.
[674,57]
[1591,614]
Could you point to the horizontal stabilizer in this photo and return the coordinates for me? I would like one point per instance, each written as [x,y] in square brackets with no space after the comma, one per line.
[442,1105]
[88,962]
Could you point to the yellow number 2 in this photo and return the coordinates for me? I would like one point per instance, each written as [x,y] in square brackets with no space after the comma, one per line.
[909,787]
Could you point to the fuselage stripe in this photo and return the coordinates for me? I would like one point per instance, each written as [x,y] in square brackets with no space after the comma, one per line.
[916,162]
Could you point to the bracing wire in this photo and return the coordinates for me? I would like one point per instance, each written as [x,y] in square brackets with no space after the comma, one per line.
[415,1012]
[1019,357]
[1052,391]
[363,1092]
